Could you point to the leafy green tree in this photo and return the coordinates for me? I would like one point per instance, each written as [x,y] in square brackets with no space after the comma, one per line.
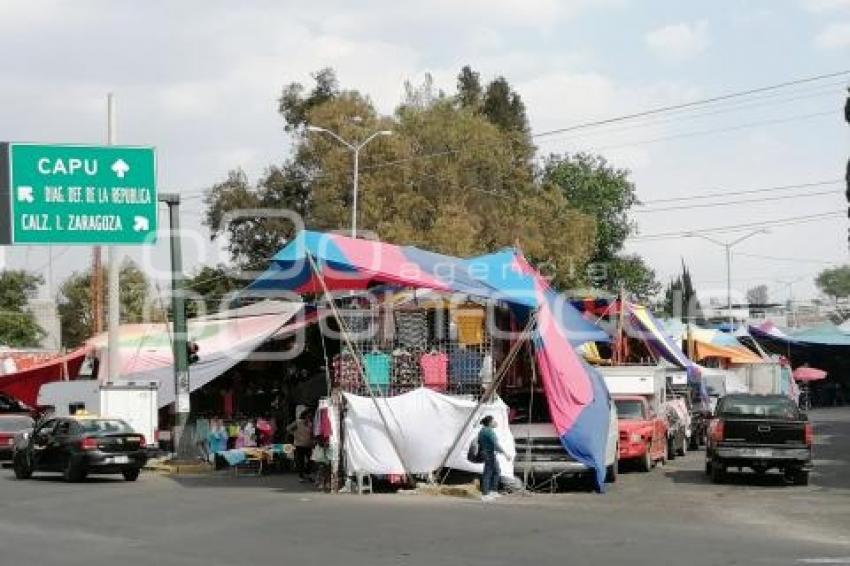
[834,282]
[75,314]
[504,107]
[295,107]
[637,278]
[18,328]
[213,284]
[469,89]
[595,187]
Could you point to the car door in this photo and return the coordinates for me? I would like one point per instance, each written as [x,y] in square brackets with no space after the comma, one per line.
[40,447]
[63,435]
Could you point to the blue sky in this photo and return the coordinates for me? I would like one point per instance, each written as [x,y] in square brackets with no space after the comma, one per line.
[198,79]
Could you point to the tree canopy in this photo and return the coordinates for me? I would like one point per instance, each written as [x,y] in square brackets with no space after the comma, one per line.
[18,328]
[456,176]
[680,298]
[75,313]
[834,282]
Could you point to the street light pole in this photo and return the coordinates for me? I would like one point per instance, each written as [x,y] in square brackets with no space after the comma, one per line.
[728,248]
[355,149]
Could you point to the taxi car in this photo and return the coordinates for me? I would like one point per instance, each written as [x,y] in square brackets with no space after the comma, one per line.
[78,446]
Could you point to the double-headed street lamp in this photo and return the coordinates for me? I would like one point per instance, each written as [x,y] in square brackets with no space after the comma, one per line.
[728,247]
[355,149]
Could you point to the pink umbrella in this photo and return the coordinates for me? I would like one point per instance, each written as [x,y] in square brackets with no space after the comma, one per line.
[809,374]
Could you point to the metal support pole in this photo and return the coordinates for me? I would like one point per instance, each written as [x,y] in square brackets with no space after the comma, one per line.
[182,389]
[354,189]
[729,286]
[114,289]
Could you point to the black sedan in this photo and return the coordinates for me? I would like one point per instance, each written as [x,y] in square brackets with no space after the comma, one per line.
[78,446]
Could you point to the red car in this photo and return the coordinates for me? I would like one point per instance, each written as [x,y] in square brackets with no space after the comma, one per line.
[10,426]
[643,434]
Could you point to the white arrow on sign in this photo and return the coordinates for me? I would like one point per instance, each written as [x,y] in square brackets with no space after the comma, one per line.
[141,224]
[120,168]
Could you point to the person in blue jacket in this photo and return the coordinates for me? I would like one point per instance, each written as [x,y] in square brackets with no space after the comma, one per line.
[488,446]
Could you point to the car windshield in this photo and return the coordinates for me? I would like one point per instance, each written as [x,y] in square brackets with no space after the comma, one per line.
[104,426]
[15,424]
[629,410]
[758,407]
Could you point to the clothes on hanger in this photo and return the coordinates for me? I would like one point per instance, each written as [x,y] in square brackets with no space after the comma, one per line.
[434,366]
[465,367]
[470,325]
[376,365]
[412,328]
[405,370]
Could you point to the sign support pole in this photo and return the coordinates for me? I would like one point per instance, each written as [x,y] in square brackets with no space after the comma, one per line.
[114,290]
[182,389]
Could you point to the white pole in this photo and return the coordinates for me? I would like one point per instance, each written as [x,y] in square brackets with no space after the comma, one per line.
[354,198]
[114,271]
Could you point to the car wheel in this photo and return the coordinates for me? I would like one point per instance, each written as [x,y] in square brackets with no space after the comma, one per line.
[801,477]
[671,448]
[646,461]
[718,473]
[22,469]
[132,474]
[612,472]
[74,473]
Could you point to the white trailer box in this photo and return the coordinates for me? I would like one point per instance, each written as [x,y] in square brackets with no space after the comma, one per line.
[133,402]
[648,381]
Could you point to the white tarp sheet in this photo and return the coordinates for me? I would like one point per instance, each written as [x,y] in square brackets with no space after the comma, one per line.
[423,424]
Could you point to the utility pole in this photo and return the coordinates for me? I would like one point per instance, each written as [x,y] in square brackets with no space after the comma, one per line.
[114,273]
[182,389]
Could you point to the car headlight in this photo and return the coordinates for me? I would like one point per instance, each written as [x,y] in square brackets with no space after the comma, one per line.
[635,437]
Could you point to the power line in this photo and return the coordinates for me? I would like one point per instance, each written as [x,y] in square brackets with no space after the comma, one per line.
[692,104]
[736,202]
[729,192]
[738,227]
[788,259]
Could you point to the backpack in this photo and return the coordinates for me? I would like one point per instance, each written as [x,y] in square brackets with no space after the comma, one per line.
[473,453]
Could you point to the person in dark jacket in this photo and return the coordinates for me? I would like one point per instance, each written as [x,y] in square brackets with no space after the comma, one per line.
[488,446]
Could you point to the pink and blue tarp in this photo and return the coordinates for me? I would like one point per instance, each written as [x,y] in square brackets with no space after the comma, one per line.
[579,403]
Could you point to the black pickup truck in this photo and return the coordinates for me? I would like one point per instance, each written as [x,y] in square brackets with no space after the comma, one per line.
[760,432]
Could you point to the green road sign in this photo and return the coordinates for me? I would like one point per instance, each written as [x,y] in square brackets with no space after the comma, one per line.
[77,194]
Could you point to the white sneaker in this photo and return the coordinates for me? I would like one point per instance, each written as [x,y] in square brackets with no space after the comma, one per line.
[495,495]
[486,498]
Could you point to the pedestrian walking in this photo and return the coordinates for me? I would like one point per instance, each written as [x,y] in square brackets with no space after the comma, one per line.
[488,446]
[302,432]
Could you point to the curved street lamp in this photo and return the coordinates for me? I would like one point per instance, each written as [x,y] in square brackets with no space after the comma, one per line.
[355,149]
[728,247]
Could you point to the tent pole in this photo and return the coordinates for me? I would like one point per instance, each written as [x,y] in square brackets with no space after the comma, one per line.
[350,345]
[530,410]
[497,379]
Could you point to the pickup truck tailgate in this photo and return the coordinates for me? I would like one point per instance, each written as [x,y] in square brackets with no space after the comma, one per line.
[756,431]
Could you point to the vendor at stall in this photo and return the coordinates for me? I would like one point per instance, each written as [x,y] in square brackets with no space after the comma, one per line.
[302,431]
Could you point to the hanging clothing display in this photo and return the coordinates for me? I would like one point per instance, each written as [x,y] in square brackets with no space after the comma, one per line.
[470,325]
[412,328]
[360,323]
[435,373]
[376,365]
[405,370]
[486,373]
[346,375]
[465,367]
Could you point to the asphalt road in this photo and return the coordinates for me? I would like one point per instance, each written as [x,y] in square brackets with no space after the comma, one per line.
[672,515]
